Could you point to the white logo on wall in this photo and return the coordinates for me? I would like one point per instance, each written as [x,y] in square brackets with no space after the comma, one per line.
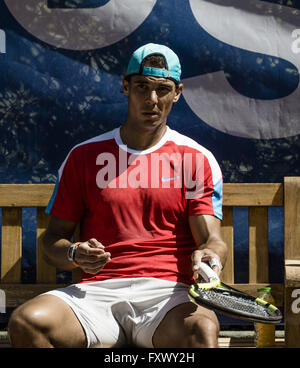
[81,29]
[252,27]
[2,42]
[255,26]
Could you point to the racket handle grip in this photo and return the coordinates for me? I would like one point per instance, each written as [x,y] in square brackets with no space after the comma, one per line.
[207,273]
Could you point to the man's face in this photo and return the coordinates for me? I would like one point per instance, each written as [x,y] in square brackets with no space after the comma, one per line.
[150,99]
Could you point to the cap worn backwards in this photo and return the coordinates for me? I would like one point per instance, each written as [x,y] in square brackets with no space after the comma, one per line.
[173,70]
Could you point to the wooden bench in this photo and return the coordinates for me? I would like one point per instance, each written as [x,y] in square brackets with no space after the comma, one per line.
[257,197]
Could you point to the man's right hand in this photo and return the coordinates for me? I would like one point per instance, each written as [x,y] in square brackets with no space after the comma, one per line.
[91,256]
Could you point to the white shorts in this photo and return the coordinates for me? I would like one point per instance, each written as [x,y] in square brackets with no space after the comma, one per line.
[122,311]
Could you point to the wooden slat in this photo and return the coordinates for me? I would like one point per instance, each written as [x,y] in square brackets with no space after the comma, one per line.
[291,217]
[258,245]
[25,195]
[292,273]
[236,194]
[256,194]
[45,273]
[235,342]
[11,249]
[17,294]
[292,262]
[227,236]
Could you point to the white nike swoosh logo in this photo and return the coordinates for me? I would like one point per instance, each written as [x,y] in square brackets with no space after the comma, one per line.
[169,179]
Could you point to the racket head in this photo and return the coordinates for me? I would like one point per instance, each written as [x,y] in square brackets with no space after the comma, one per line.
[222,298]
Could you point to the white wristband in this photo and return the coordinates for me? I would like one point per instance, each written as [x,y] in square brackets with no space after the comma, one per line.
[72,252]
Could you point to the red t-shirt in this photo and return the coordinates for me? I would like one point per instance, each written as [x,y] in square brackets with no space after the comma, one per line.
[137,203]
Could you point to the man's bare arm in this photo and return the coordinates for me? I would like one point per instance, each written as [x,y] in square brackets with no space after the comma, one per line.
[206,231]
[90,255]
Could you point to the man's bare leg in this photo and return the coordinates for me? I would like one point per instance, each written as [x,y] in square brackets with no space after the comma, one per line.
[187,326]
[45,321]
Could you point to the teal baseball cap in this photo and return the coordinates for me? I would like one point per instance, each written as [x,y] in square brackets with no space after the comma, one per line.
[135,65]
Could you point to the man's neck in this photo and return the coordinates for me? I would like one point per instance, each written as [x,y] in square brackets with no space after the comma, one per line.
[141,141]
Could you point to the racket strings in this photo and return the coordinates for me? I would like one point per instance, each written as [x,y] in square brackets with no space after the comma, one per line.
[233,302]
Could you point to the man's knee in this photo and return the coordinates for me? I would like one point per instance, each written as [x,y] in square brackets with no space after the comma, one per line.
[187,326]
[25,322]
[45,321]
[203,333]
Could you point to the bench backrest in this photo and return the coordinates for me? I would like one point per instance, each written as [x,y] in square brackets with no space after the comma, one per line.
[258,197]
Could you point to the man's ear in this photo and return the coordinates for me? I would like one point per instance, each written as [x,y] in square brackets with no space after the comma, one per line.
[125,86]
[178,92]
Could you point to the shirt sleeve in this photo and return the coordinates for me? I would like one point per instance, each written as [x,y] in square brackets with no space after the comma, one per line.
[206,196]
[67,198]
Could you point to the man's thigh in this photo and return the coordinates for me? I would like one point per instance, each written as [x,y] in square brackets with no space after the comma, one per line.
[51,316]
[187,325]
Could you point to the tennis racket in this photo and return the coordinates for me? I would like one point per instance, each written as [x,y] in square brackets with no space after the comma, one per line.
[214,294]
